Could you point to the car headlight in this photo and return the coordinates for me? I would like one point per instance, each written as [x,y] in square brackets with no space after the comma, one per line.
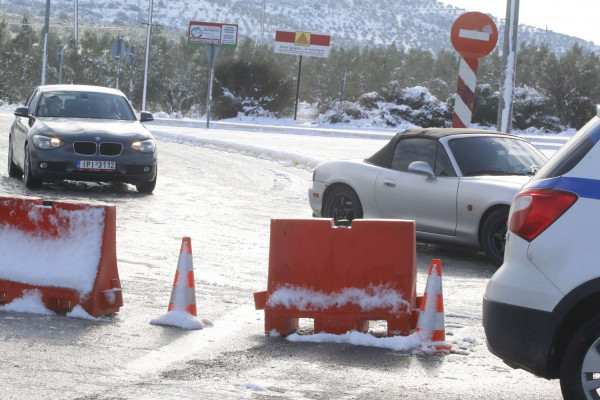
[144,146]
[46,142]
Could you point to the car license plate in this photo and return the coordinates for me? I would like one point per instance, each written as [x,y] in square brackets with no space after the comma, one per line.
[96,165]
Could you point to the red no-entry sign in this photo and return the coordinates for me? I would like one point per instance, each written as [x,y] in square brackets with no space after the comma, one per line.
[474,35]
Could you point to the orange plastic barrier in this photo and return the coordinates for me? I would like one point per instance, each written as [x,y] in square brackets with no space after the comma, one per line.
[342,277]
[60,225]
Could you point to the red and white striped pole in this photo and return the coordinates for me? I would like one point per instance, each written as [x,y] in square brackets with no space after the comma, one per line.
[465,93]
[473,35]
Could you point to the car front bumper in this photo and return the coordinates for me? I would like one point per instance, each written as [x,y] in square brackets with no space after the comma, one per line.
[315,197]
[131,168]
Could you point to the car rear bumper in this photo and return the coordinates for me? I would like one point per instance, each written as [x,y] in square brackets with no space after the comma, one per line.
[519,315]
[521,337]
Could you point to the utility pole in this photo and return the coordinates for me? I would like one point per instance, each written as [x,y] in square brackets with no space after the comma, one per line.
[76,22]
[509,63]
[343,89]
[149,32]
[46,30]
[297,87]
[262,38]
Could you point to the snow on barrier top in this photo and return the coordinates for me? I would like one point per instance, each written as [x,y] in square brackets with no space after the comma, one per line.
[66,250]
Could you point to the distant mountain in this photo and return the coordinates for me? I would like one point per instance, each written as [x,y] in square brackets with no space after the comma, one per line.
[423,24]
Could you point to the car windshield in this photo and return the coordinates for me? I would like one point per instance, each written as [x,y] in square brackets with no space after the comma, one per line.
[488,155]
[71,104]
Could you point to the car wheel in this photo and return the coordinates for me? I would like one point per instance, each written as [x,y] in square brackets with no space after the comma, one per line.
[493,235]
[342,204]
[13,170]
[30,181]
[147,187]
[580,367]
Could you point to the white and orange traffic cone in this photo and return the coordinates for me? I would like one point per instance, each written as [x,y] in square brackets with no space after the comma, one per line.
[430,326]
[183,295]
[182,306]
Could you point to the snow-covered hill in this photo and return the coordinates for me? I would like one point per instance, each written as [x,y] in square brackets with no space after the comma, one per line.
[423,24]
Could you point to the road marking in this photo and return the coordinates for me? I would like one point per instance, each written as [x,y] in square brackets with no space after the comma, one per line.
[225,333]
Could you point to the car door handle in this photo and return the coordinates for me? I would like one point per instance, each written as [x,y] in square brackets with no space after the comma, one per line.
[389,183]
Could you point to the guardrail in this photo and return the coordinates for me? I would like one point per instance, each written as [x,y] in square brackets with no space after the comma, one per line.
[543,142]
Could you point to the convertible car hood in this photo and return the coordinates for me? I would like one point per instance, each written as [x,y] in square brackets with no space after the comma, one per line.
[92,126]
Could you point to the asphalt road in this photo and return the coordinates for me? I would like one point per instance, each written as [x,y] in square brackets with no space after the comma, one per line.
[225,202]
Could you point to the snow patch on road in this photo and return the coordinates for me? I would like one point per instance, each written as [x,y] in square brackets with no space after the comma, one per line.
[285,158]
[412,342]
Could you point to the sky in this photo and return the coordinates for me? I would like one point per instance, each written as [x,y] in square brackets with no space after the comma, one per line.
[576,17]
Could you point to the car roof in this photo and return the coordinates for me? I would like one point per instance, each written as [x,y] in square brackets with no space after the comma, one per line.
[80,88]
[436,133]
[383,157]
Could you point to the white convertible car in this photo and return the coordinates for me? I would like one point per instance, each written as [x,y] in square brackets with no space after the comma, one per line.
[457,184]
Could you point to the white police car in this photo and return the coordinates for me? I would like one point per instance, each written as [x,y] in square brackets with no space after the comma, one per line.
[541,309]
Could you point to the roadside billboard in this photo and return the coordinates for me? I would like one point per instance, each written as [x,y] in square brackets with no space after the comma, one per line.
[202,33]
[302,44]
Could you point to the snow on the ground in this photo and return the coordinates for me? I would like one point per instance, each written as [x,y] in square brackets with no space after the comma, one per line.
[17,257]
[285,158]
[415,342]
[179,319]
[31,302]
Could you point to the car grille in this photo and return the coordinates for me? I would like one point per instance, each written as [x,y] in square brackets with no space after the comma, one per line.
[110,149]
[90,148]
[87,148]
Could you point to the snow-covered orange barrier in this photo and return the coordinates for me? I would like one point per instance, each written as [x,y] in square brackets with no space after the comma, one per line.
[63,250]
[341,277]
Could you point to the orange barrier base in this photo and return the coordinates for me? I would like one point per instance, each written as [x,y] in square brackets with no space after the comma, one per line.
[63,300]
[286,321]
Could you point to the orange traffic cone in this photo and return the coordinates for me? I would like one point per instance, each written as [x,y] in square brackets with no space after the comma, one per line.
[183,295]
[182,306]
[430,326]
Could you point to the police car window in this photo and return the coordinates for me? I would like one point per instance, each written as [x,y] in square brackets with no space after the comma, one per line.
[572,152]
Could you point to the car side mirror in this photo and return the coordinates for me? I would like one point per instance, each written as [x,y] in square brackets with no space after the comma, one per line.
[22,112]
[146,116]
[421,167]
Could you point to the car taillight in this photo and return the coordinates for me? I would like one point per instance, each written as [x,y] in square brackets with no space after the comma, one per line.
[535,210]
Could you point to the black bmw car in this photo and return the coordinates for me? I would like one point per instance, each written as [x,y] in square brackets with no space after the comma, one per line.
[81,133]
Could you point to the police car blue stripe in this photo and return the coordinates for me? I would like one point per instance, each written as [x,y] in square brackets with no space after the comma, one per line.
[542,184]
[588,188]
